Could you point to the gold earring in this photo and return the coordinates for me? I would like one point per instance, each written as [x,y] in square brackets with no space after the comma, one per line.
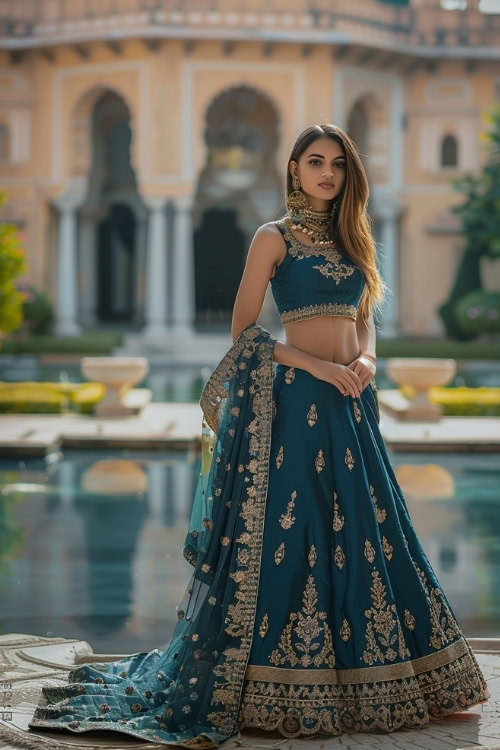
[296,201]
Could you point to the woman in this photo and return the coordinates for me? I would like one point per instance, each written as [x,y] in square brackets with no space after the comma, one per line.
[312,607]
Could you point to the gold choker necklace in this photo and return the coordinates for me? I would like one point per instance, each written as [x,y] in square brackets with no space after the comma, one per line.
[313,223]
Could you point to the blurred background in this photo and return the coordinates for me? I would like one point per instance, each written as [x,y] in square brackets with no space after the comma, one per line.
[142,142]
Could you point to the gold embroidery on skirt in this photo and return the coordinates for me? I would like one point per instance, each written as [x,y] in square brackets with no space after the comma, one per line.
[444,626]
[379,512]
[369,551]
[312,557]
[409,620]
[387,548]
[286,519]
[338,521]
[263,626]
[290,375]
[339,556]
[312,415]
[310,625]
[280,553]
[319,461]
[279,457]
[383,619]
[345,630]
[357,412]
[349,460]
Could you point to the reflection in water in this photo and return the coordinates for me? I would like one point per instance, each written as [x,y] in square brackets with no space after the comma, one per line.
[90,547]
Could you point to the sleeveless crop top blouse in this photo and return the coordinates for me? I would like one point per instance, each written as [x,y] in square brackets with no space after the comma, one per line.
[312,282]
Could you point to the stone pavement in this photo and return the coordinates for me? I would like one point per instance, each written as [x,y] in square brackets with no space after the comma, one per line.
[28,661]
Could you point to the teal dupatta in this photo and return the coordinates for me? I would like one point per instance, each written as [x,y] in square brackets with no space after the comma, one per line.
[189,694]
[224,539]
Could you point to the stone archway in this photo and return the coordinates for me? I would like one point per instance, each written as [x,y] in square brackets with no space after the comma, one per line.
[111,250]
[238,188]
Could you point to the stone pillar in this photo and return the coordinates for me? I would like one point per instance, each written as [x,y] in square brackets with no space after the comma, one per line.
[67,273]
[183,287]
[88,261]
[387,209]
[155,303]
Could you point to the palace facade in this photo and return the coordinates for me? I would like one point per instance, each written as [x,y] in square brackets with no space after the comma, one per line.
[142,142]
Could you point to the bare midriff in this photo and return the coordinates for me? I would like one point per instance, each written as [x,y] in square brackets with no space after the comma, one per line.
[333,338]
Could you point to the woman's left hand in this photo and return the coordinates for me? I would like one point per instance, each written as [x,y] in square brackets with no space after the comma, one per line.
[365,368]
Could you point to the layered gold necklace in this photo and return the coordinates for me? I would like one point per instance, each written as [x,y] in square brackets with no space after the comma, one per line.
[313,223]
[316,224]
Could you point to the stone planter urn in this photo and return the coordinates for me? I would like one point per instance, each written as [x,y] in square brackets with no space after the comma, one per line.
[118,374]
[421,373]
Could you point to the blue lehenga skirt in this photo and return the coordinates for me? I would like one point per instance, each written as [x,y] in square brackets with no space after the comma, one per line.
[312,607]
[353,631]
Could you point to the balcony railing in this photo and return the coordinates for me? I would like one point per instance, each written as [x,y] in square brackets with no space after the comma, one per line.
[28,23]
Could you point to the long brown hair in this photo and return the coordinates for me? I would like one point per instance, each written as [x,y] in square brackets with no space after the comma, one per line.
[350,228]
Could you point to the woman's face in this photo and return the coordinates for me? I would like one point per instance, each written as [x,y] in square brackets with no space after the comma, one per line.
[321,169]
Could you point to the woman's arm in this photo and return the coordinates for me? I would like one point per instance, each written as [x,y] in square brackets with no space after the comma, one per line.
[367,336]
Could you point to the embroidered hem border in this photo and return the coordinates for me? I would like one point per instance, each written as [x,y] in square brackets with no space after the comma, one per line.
[409,694]
[316,311]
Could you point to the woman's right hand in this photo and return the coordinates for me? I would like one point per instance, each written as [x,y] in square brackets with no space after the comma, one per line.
[341,376]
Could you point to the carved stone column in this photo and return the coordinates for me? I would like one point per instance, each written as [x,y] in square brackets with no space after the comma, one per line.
[155,303]
[67,267]
[183,286]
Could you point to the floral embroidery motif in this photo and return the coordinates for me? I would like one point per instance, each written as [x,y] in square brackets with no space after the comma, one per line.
[104,707]
[357,412]
[225,540]
[383,620]
[319,461]
[129,689]
[312,415]
[286,519]
[338,521]
[212,599]
[379,512]
[312,556]
[290,375]
[123,674]
[263,626]
[349,460]
[339,556]
[345,630]
[444,626]
[135,707]
[279,457]
[369,551]
[280,553]
[336,270]
[409,620]
[387,548]
[205,567]
[310,625]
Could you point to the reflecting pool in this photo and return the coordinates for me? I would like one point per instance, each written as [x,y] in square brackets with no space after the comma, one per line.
[90,542]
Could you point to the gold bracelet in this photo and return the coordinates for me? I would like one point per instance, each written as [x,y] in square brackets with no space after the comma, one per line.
[373,357]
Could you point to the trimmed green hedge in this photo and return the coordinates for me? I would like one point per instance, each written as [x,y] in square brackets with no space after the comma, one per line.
[93,342]
[442,348]
[31,397]
[463,401]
